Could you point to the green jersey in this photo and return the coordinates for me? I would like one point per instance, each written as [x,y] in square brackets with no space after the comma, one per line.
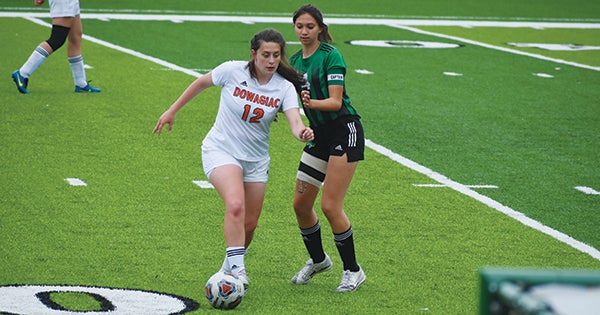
[325,67]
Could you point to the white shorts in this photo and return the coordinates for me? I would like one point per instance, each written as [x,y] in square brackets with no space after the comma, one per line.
[254,172]
[64,8]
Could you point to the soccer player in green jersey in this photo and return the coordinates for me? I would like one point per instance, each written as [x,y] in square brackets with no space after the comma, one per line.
[330,160]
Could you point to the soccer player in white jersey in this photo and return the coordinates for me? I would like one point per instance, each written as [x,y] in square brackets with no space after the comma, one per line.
[235,151]
[66,23]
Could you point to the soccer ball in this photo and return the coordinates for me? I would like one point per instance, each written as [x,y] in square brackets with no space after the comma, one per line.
[224,290]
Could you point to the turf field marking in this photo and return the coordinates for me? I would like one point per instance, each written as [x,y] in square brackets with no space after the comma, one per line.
[442,186]
[347,19]
[587,190]
[75,182]
[453,74]
[126,50]
[395,23]
[585,248]
[203,184]
[556,47]
[363,71]
[200,70]
[504,49]
[485,200]
[341,15]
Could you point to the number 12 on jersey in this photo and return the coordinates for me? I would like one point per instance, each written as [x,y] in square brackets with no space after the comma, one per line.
[257,114]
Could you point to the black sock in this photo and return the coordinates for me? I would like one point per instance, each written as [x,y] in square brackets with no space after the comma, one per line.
[345,246]
[312,241]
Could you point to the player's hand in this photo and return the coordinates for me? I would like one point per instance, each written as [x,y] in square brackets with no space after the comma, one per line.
[166,118]
[307,134]
[39,2]
[305,95]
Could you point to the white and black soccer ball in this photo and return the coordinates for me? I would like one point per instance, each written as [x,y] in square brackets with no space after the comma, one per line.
[224,290]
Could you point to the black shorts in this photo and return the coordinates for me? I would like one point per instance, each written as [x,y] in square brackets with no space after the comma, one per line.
[343,136]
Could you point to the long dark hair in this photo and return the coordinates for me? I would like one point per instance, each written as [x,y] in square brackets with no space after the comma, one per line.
[285,70]
[324,36]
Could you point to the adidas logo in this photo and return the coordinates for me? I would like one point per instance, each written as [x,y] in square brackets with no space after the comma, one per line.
[244,83]
[339,147]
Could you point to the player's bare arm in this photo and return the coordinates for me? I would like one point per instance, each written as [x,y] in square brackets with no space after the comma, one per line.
[331,104]
[168,117]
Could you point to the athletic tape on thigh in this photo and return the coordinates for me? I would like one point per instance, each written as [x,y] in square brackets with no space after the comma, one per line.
[312,169]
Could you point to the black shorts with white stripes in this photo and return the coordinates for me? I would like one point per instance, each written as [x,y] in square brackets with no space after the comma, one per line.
[343,136]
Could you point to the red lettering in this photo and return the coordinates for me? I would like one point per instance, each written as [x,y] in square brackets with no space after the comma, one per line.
[256,98]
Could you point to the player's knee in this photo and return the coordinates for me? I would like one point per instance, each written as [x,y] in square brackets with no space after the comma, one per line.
[235,208]
[75,37]
[58,36]
[304,210]
[298,206]
[331,209]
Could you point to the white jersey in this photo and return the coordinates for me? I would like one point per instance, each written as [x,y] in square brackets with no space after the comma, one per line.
[246,111]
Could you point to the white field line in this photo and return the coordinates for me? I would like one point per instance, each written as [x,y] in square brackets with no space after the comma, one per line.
[203,184]
[585,248]
[587,190]
[504,49]
[396,23]
[444,186]
[337,20]
[75,182]
[127,51]
[485,200]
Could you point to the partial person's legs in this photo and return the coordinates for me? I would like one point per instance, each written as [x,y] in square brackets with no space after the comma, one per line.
[338,178]
[76,59]
[255,196]
[228,182]
[58,35]
[310,229]
[304,199]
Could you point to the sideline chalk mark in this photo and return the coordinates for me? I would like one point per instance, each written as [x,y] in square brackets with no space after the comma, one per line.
[587,190]
[75,182]
[203,184]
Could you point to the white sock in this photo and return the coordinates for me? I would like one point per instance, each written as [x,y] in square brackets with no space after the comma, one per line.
[225,267]
[235,257]
[76,64]
[36,59]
